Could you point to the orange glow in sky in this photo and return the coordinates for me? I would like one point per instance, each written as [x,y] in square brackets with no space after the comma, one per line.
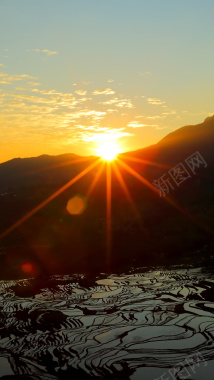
[76,82]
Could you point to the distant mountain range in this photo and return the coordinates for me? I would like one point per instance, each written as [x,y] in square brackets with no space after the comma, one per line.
[178,145]
[171,150]
[56,242]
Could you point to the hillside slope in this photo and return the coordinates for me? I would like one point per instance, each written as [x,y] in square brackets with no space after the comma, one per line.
[164,232]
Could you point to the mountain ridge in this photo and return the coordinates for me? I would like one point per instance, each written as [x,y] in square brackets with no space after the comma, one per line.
[207,121]
[57,242]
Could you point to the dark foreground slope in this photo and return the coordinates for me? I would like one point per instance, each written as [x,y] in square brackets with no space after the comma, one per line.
[54,241]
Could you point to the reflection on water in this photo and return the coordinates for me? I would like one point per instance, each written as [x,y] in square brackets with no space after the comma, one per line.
[134,326]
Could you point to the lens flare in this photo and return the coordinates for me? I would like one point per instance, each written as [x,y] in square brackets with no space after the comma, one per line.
[28,268]
[76,205]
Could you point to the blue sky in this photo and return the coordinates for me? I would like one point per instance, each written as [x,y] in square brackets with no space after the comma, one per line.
[75,73]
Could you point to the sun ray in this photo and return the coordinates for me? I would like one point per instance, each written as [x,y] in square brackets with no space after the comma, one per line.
[49,199]
[108,216]
[138,176]
[126,190]
[146,162]
[167,199]
[61,164]
[95,180]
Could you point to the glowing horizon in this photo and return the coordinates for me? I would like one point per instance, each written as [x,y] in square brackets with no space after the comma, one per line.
[69,81]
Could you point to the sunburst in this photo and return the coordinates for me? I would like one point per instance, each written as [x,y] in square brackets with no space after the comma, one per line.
[108,160]
[108,150]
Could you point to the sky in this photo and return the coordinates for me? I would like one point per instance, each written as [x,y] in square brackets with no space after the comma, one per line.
[74,74]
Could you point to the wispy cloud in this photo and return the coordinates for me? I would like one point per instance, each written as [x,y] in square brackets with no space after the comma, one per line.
[95,115]
[155,101]
[104,91]
[121,103]
[20,88]
[100,137]
[8,79]
[110,80]
[85,83]
[136,124]
[110,110]
[155,117]
[46,51]
[170,112]
[63,116]
[2,65]
[142,74]
[203,113]
[34,83]
[81,92]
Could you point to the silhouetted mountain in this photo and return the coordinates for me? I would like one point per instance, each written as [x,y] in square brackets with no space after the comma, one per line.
[39,170]
[177,227]
[178,145]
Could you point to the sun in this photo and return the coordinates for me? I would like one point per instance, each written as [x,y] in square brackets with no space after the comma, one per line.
[108,150]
